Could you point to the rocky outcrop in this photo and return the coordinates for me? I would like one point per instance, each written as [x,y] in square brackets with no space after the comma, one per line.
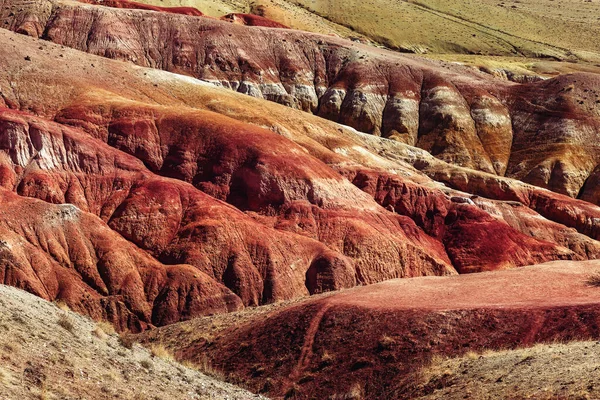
[178,224]
[497,240]
[59,252]
[536,132]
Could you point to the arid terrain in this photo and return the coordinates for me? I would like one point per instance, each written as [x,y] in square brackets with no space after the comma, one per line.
[561,29]
[393,339]
[303,215]
[52,353]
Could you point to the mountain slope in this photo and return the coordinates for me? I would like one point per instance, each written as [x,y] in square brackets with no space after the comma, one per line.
[541,132]
[142,149]
[563,29]
[55,354]
[517,373]
[374,340]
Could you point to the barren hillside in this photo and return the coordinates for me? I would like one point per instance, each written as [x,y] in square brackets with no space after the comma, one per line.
[563,29]
[545,371]
[305,215]
[52,353]
[393,340]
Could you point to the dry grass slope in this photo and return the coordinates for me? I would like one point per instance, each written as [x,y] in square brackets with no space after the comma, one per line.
[545,371]
[48,353]
[563,29]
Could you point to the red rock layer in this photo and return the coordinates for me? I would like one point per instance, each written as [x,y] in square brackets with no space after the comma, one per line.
[542,132]
[375,338]
[181,225]
[312,206]
[252,20]
[141,6]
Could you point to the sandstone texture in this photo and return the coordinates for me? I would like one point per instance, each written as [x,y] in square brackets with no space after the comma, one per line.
[170,172]
[543,132]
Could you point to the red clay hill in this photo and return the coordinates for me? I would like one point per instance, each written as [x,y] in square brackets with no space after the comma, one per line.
[236,18]
[266,202]
[543,132]
[141,6]
[157,167]
[371,342]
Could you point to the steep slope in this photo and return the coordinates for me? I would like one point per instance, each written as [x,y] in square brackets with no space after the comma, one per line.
[297,126]
[371,341]
[138,191]
[333,207]
[312,205]
[52,353]
[545,28]
[518,373]
[179,224]
[540,132]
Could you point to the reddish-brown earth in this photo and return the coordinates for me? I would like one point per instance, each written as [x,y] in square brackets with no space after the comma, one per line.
[372,340]
[141,6]
[137,190]
[313,206]
[542,132]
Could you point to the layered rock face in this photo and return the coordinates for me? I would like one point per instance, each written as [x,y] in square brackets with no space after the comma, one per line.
[178,224]
[200,200]
[538,132]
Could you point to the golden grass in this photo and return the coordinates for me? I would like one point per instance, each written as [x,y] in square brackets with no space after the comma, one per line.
[4,376]
[206,366]
[103,329]
[160,351]
[527,27]
[62,305]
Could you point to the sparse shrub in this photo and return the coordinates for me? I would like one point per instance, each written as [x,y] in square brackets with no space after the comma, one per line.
[99,333]
[161,351]
[355,392]
[267,386]
[326,360]
[62,305]
[4,376]
[385,343]
[257,370]
[593,280]
[206,367]
[103,329]
[292,392]
[106,327]
[127,341]
[327,357]
[18,318]
[146,364]
[188,364]
[66,322]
